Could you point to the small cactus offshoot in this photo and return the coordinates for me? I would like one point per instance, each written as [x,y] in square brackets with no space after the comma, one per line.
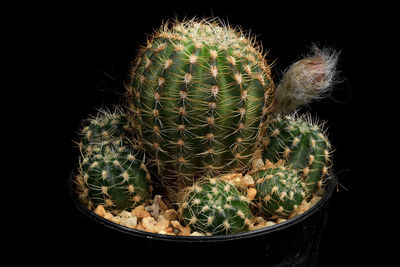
[300,143]
[103,128]
[280,191]
[112,176]
[214,206]
[110,172]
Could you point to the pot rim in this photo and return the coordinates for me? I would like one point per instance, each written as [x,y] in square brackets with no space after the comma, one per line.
[329,187]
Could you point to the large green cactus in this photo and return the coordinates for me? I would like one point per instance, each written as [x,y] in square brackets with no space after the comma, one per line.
[112,176]
[280,191]
[200,98]
[215,206]
[300,143]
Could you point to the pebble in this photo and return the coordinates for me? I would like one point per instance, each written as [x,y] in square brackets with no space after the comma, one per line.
[157,218]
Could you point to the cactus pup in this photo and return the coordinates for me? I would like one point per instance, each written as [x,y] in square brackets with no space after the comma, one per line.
[215,206]
[280,191]
[110,170]
[302,144]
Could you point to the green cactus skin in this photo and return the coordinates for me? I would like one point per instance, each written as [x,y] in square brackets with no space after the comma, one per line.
[112,176]
[300,143]
[200,98]
[279,191]
[105,127]
[214,206]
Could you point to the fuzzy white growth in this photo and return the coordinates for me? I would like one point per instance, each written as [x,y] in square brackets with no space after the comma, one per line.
[307,80]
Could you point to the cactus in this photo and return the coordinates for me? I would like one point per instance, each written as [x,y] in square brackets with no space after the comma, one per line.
[279,191]
[110,173]
[200,97]
[103,128]
[215,206]
[112,176]
[300,143]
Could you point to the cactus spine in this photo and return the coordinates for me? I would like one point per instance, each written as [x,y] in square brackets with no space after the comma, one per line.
[279,191]
[300,143]
[200,98]
[215,206]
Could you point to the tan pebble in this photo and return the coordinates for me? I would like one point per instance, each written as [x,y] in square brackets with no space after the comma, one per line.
[169,229]
[108,216]
[171,215]
[280,220]
[100,211]
[162,232]
[125,214]
[130,222]
[196,234]
[140,226]
[176,224]
[256,227]
[231,176]
[259,220]
[149,224]
[137,210]
[143,214]
[162,225]
[247,180]
[116,219]
[251,193]
[185,231]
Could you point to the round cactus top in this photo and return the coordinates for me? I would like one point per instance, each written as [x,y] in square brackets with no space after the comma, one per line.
[215,34]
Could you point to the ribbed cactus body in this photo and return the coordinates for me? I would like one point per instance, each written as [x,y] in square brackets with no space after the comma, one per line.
[114,177]
[300,143]
[279,191]
[214,206]
[200,97]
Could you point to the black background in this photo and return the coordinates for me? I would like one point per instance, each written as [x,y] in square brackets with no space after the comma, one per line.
[85,53]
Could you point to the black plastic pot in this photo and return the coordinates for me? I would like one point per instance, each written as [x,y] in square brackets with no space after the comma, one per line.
[294,242]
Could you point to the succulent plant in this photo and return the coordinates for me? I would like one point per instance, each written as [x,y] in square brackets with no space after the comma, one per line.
[201,103]
[215,206]
[200,98]
[103,128]
[112,176]
[300,143]
[280,191]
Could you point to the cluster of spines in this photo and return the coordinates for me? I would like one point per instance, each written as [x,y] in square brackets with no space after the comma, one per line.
[200,97]
[280,191]
[214,206]
[299,142]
